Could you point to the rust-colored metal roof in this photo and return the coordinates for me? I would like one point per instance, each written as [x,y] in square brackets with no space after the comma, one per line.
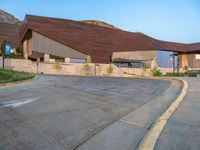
[98,42]
[9,32]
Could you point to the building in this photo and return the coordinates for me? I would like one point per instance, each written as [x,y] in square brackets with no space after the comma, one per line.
[47,39]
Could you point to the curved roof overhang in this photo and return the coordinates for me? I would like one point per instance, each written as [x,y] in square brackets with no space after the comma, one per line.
[98,42]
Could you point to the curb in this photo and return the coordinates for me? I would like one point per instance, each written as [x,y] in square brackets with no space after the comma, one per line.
[149,140]
[17,82]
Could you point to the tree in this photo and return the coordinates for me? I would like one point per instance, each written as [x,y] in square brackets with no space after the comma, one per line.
[110,69]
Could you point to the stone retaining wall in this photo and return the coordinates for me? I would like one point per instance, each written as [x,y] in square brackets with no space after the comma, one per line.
[60,68]
[75,68]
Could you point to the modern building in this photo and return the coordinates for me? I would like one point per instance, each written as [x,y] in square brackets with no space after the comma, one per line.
[47,39]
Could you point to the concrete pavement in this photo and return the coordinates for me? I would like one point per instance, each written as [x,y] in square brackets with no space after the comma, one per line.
[81,112]
[126,133]
[183,128]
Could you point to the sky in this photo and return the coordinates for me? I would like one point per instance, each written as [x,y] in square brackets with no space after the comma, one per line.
[169,20]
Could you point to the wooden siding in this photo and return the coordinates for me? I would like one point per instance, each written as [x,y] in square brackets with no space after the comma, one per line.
[192,61]
[46,45]
[9,32]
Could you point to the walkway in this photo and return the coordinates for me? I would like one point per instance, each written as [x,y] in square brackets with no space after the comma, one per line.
[182,131]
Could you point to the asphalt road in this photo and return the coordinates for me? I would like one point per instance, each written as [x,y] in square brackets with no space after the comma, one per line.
[182,131]
[58,113]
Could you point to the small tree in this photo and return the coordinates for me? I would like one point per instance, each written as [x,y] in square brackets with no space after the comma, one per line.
[110,69]
[57,66]
[86,68]
[186,68]
[144,69]
[19,51]
[156,72]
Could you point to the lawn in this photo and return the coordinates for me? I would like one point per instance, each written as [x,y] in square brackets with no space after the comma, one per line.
[7,76]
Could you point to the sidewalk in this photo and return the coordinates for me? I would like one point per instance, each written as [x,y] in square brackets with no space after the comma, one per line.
[182,131]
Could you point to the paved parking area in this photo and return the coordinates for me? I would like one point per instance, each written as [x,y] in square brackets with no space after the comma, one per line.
[64,112]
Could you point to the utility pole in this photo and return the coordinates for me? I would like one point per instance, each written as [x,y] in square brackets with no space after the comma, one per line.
[178,63]
[173,63]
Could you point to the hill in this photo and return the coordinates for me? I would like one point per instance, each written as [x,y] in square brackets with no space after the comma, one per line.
[99,23]
[8,18]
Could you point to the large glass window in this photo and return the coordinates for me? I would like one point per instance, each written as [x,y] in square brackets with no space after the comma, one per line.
[165,59]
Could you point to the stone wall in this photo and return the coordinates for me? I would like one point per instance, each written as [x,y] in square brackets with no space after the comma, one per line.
[60,68]
[137,71]
[76,68]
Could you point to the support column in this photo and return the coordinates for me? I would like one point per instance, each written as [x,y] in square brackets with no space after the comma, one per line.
[67,60]
[25,49]
[46,57]
[89,60]
[184,61]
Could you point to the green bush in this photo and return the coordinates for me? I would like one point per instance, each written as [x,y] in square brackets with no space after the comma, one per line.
[156,72]
[19,51]
[110,69]
[192,74]
[186,68]
[144,70]
[14,56]
[7,76]
[57,66]
[175,74]
[86,68]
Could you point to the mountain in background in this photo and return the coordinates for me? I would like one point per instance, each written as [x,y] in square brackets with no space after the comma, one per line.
[99,23]
[8,18]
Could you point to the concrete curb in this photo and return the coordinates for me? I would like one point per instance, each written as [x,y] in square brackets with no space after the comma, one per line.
[149,140]
[17,82]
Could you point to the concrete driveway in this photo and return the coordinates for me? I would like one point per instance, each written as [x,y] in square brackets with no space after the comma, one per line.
[56,113]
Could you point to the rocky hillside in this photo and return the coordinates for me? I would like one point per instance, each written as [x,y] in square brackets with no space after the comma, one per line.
[8,18]
[99,23]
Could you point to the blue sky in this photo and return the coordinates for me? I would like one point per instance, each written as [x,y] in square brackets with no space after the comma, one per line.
[171,20]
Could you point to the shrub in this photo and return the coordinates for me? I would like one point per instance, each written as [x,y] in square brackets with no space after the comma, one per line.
[192,74]
[110,69]
[86,68]
[57,66]
[175,74]
[19,51]
[156,72]
[144,70]
[14,56]
[186,68]
[13,76]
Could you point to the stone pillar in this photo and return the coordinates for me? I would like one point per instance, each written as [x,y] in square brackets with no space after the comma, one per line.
[89,60]
[25,49]
[184,61]
[67,60]
[14,50]
[46,57]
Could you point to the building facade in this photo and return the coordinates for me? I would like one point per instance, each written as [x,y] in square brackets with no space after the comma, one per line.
[50,39]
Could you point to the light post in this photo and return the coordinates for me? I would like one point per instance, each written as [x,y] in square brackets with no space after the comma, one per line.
[3,53]
[174,67]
